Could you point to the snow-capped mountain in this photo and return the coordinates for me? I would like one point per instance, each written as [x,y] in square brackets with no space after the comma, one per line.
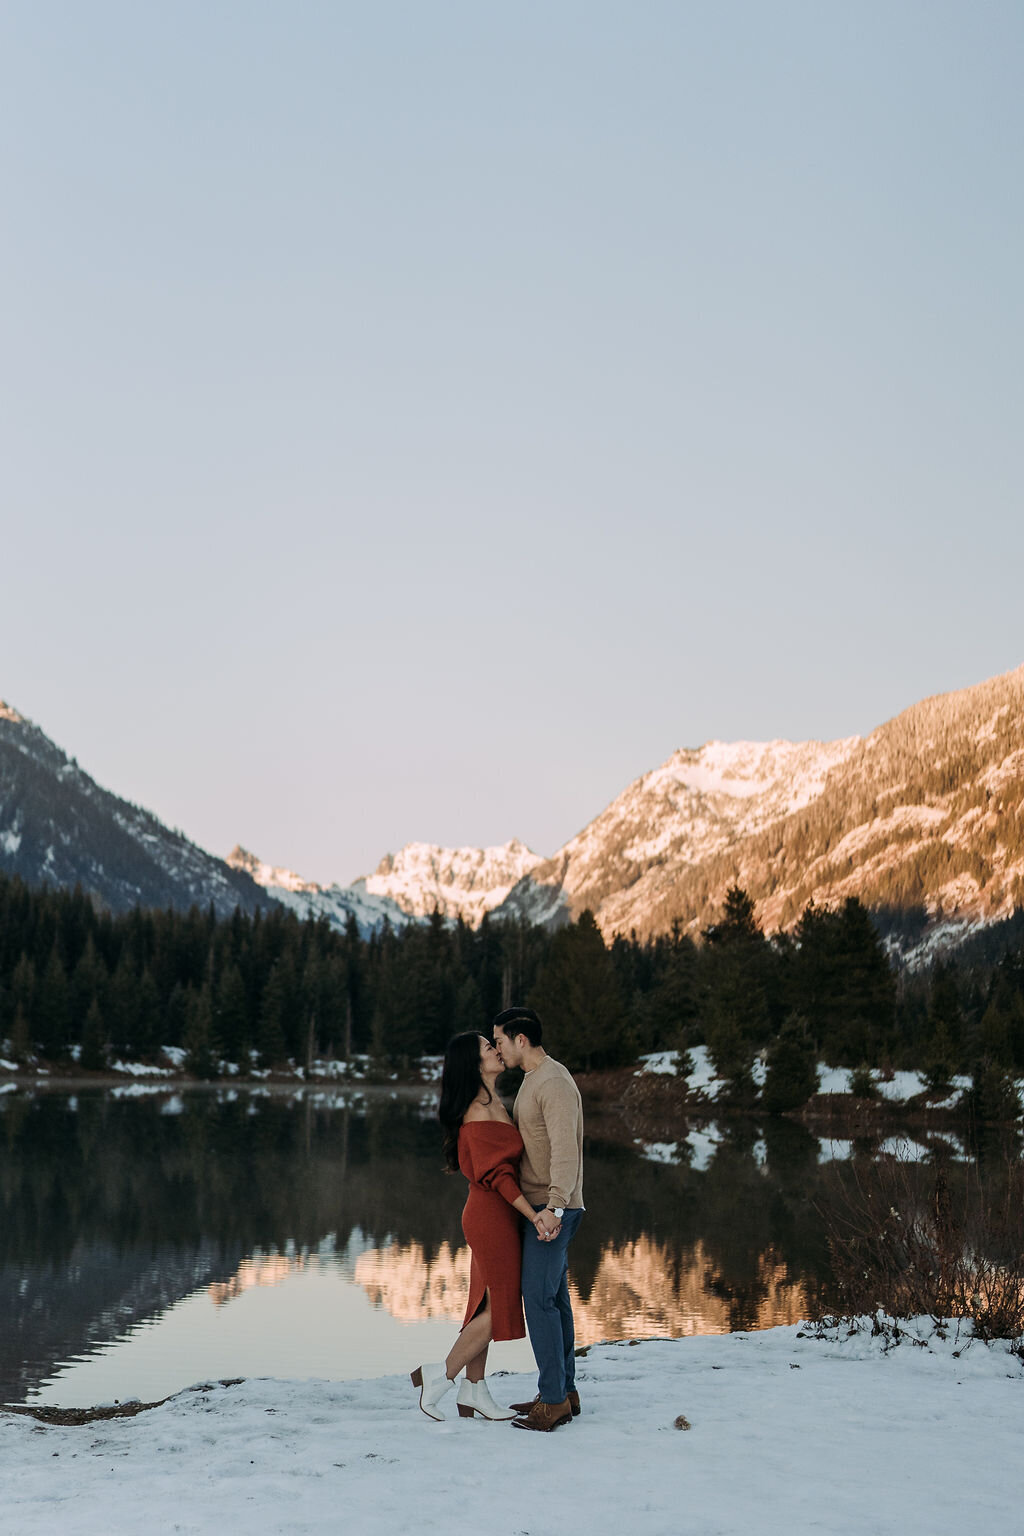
[335,902]
[457,882]
[57,825]
[698,803]
[926,813]
[407,886]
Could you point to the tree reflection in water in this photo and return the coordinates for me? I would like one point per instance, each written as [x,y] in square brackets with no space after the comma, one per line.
[113,1208]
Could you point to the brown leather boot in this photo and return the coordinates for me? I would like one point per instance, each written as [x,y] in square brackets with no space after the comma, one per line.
[574,1403]
[545,1416]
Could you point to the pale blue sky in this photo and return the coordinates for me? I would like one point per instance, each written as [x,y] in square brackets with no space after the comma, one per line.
[419,420]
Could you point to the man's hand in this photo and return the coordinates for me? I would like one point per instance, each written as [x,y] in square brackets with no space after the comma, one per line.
[547,1224]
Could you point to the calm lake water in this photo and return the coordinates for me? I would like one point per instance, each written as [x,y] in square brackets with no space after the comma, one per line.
[149,1240]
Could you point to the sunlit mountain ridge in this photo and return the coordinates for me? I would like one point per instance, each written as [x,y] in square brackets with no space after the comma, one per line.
[923,820]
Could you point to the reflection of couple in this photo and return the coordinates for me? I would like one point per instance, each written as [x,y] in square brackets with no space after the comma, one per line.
[534,1166]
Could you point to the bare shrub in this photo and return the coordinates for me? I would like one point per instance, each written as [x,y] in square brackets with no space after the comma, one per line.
[942,1241]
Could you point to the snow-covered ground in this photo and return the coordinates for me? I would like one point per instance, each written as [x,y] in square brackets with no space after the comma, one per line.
[896,1087]
[767,1433]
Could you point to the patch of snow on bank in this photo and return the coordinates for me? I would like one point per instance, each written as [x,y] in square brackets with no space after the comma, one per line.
[703,1079]
[141,1069]
[959,1086]
[900,1087]
[659,1062]
[659,1151]
[833,1079]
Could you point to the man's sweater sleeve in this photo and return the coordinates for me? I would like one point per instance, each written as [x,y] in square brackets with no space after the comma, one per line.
[558,1105]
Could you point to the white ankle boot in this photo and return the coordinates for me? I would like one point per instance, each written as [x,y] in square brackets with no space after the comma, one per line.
[433,1382]
[475,1398]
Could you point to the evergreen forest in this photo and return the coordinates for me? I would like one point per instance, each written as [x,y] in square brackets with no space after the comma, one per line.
[268,989]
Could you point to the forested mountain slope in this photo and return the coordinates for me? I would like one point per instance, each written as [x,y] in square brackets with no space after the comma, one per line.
[925,813]
[58,826]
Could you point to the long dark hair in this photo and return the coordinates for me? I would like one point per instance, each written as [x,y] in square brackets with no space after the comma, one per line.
[460,1084]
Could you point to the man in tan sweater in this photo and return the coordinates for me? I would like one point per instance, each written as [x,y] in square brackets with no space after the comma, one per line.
[549,1114]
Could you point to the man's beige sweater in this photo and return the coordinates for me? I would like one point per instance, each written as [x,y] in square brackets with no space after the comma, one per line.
[549,1113]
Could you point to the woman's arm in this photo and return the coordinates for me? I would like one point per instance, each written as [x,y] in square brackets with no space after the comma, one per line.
[498,1173]
[523,1206]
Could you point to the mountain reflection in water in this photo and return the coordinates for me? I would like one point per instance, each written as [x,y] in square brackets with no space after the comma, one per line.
[113,1211]
[638,1290]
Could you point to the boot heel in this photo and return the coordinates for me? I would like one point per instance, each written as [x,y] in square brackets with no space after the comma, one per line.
[465,1412]
[417,1376]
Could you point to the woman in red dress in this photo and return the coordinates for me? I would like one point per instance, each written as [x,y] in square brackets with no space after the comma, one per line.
[481,1141]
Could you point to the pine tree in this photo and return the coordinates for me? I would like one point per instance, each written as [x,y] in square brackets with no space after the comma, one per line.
[993,1097]
[88,984]
[21,1036]
[843,984]
[469,1009]
[577,997]
[121,1009]
[176,1016]
[939,1061]
[941,1053]
[53,1008]
[270,1040]
[666,1013]
[148,1016]
[94,1041]
[231,1013]
[23,993]
[792,1075]
[358,1009]
[201,1044]
[735,966]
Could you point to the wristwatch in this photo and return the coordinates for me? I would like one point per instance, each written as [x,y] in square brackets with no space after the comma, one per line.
[559,1210]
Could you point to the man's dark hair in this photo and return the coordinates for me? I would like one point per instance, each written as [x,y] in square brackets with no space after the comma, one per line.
[520,1021]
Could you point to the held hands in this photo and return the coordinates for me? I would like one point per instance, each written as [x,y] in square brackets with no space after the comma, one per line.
[547,1224]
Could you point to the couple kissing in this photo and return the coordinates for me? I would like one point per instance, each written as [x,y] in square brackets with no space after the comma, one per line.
[524,1205]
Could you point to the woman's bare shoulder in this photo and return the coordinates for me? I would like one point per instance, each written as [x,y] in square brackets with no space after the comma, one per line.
[495,1114]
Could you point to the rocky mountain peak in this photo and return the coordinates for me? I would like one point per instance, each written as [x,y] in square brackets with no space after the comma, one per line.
[467,882]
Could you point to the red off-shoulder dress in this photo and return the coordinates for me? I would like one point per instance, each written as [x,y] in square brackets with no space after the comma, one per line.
[489,1154]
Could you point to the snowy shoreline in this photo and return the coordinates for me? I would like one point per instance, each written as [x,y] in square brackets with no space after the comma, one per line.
[789,1433]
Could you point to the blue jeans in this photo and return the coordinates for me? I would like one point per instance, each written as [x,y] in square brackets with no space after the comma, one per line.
[546,1303]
